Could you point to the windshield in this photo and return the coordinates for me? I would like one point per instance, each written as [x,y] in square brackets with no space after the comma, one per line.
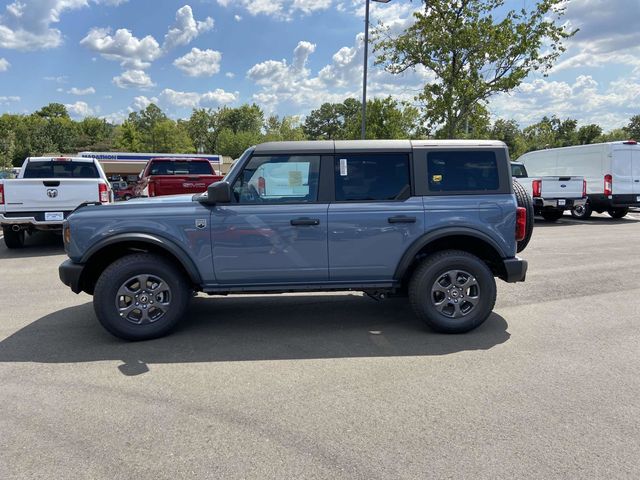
[60,169]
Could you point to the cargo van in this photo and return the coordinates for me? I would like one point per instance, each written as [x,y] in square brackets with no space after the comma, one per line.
[612,172]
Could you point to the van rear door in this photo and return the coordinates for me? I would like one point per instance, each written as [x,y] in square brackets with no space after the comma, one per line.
[622,181]
[635,170]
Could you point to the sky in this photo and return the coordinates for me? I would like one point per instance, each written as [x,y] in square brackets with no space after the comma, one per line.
[107,58]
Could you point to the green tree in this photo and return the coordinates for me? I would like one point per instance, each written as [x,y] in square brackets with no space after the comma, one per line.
[326,122]
[473,54]
[633,128]
[201,126]
[246,118]
[128,138]
[287,129]
[589,133]
[53,110]
[170,137]
[7,148]
[232,144]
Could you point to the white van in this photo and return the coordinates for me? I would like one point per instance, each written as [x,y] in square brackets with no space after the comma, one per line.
[612,172]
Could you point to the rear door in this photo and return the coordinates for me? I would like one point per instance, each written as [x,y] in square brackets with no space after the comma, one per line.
[374,218]
[621,166]
[635,170]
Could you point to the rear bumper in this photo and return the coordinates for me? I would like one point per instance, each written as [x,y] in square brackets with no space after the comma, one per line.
[26,219]
[553,203]
[602,202]
[70,274]
[515,270]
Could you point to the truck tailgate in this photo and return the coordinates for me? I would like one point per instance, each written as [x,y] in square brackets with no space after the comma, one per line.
[562,187]
[51,195]
[180,184]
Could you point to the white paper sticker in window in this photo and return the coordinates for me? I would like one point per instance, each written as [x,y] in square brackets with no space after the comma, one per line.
[343,167]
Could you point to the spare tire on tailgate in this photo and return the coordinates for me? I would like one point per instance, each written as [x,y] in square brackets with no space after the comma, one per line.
[524,201]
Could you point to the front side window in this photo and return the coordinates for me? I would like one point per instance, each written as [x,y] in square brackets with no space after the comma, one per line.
[278,179]
[463,171]
[372,177]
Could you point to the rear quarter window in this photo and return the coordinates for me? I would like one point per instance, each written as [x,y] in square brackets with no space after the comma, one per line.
[465,171]
[180,168]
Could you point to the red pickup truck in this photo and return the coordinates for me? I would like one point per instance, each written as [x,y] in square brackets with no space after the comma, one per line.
[170,176]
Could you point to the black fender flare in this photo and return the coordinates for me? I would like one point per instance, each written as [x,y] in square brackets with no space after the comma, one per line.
[427,238]
[156,240]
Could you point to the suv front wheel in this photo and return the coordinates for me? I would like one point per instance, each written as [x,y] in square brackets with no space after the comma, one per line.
[452,291]
[140,297]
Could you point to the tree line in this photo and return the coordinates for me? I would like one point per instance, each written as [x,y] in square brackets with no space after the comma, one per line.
[229,131]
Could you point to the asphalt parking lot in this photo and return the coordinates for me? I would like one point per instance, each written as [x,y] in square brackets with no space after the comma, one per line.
[333,385]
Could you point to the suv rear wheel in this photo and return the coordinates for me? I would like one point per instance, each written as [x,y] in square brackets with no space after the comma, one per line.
[140,297]
[452,291]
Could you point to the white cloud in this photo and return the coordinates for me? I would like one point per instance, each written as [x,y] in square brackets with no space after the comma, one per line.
[186,28]
[199,63]
[82,91]
[60,79]
[5,100]
[80,110]
[27,24]
[123,47]
[237,18]
[230,75]
[281,9]
[214,98]
[133,79]
[142,102]
[609,105]
[4,65]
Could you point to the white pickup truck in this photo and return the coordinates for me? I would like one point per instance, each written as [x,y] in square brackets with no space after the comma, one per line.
[551,195]
[46,191]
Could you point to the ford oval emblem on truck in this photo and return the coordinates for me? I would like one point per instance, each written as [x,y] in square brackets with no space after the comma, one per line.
[563,186]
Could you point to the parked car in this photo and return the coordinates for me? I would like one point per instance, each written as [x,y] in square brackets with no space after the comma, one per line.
[612,172]
[171,176]
[46,191]
[433,220]
[551,195]
[123,190]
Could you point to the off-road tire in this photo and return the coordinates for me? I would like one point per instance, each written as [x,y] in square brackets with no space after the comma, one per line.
[524,200]
[113,280]
[618,212]
[425,302]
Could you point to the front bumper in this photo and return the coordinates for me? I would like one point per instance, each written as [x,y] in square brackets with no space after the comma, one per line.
[553,203]
[515,270]
[70,273]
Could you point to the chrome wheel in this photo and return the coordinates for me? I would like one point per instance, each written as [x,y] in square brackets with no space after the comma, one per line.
[143,299]
[455,293]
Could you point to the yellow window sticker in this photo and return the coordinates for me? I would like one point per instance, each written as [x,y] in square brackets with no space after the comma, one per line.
[437,178]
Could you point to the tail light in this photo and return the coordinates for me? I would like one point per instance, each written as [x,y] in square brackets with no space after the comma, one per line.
[584,188]
[1,194]
[151,188]
[262,185]
[103,193]
[521,223]
[536,186]
[608,185]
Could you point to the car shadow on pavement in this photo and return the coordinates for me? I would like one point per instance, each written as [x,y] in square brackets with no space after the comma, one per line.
[251,328]
[39,244]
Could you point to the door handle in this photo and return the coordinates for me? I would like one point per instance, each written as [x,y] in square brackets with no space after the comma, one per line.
[402,219]
[305,222]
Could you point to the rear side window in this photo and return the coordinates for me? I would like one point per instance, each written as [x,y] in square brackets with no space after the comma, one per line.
[463,171]
[55,169]
[518,171]
[180,168]
[372,177]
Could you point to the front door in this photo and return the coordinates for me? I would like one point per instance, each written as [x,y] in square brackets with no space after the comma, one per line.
[374,218]
[275,231]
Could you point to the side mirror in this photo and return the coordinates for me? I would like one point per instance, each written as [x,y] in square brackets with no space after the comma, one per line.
[219,192]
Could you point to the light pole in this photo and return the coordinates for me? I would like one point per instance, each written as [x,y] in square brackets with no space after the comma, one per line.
[364,70]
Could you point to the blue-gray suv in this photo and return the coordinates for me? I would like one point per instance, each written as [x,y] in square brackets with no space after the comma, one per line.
[432,220]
